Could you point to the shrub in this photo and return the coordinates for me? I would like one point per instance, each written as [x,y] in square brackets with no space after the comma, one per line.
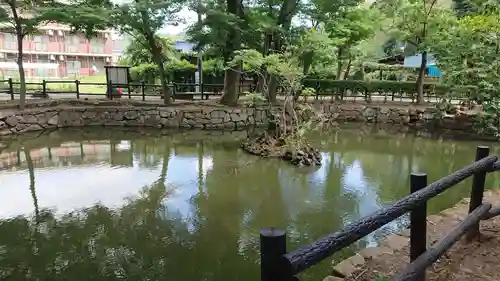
[384,86]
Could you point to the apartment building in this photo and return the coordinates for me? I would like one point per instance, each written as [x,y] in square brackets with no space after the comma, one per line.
[55,53]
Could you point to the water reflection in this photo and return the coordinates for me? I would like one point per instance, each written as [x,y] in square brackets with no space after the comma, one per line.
[160,207]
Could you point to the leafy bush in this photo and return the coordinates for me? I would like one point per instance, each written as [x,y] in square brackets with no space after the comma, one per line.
[385,86]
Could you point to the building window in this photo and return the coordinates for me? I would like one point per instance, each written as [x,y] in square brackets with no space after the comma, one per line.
[73,67]
[96,46]
[73,44]
[41,42]
[10,41]
[85,63]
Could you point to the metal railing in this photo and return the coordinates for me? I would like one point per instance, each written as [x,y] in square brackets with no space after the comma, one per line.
[142,90]
[279,265]
[185,91]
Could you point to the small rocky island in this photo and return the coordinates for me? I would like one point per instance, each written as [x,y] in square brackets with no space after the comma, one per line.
[278,143]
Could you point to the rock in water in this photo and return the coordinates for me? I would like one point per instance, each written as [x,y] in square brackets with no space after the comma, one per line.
[270,146]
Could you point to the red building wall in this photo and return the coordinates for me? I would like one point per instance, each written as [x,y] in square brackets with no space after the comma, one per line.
[55,44]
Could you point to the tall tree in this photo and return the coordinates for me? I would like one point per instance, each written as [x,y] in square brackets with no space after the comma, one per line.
[415,22]
[22,18]
[469,54]
[233,43]
[136,54]
[142,19]
[351,28]
[277,40]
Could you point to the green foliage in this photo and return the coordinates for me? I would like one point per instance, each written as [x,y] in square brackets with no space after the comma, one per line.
[356,25]
[381,278]
[469,55]
[136,54]
[176,68]
[12,19]
[213,67]
[384,86]
[283,66]
[23,18]
[415,21]
[146,72]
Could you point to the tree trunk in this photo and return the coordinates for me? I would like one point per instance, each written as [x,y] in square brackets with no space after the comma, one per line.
[338,76]
[287,11]
[348,69]
[166,93]
[164,165]
[31,171]
[22,77]
[231,87]
[420,80]
[339,62]
[271,89]
[232,75]
[307,62]
[156,50]
[263,71]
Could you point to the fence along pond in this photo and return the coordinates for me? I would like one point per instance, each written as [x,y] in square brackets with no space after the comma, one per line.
[338,90]
[279,265]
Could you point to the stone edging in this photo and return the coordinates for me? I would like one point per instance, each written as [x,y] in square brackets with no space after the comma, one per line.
[348,268]
[210,117]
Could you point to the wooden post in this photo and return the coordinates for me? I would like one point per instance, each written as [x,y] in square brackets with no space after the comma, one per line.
[77,84]
[439,248]
[11,89]
[418,221]
[272,247]
[143,90]
[477,190]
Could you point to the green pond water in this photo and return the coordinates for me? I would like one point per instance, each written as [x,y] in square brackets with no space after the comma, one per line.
[144,205]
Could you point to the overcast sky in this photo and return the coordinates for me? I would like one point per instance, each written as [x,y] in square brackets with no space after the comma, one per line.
[188,16]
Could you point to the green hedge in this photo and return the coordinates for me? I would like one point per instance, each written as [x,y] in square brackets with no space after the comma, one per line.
[384,86]
[180,71]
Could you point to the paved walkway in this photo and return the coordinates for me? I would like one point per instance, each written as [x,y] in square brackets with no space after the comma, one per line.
[6,97]
[474,261]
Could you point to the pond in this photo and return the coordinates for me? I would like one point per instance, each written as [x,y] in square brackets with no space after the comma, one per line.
[141,205]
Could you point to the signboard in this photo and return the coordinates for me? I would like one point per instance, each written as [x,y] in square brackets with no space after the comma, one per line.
[117,75]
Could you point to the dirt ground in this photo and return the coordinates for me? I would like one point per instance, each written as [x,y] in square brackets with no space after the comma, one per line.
[465,261]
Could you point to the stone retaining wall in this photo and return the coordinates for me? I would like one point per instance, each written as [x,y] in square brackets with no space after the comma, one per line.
[210,117]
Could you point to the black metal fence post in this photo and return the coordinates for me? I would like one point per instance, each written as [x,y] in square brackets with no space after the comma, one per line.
[44,87]
[477,190]
[11,89]
[110,90]
[77,85]
[272,247]
[418,221]
[143,90]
